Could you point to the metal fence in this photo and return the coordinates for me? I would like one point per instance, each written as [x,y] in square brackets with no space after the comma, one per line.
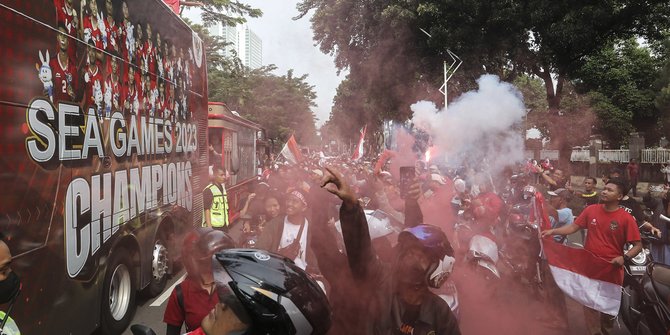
[657,155]
[580,155]
[618,156]
[650,156]
[551,154]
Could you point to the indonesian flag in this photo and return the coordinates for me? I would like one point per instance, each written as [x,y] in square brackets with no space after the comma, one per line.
[359,152]
[584,277]
[588,279]
[291,152]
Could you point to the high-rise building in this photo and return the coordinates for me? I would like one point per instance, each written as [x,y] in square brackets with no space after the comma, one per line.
[250,48]
[229,35]
[241,40]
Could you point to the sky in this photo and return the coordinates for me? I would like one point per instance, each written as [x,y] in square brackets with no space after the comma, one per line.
[289,45]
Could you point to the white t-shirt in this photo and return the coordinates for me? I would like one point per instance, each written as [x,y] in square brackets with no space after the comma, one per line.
[289,235]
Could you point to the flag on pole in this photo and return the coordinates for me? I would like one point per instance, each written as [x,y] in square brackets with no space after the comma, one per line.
[291,152]
[584,277]
[360,151]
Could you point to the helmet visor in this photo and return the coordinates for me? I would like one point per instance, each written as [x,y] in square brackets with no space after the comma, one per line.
[227,291]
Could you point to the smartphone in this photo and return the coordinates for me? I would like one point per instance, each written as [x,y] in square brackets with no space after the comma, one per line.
[407,176]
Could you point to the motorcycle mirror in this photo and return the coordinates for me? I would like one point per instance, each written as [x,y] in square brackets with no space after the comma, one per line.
[141,330]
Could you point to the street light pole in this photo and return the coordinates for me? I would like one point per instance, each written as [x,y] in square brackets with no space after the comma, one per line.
[448,72]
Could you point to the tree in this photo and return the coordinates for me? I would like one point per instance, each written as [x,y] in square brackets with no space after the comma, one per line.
[620,79]
[226,12]
[381,44]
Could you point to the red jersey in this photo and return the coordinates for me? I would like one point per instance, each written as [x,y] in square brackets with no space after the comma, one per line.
[90,79]
[127,48]
[64,77]
[92,32]
[607,231]
[112,96]
[70,20]
[197,304]
[150,52]
[113,32]
[130,99]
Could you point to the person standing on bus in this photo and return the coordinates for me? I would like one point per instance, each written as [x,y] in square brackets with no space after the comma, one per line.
[215,200]
[112,30]
[63,68]
[92,79]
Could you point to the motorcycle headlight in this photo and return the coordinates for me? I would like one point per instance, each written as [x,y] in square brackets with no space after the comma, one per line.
[641,257]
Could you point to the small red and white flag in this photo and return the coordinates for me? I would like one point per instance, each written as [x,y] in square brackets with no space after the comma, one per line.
[360,149]
[584,277]
[291,152]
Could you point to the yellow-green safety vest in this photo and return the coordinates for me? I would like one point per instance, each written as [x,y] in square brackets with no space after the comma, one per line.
[219,210]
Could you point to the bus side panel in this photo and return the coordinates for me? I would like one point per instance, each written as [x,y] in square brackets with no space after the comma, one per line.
[58,297]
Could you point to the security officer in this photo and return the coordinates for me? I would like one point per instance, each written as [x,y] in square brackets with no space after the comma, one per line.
[215,200]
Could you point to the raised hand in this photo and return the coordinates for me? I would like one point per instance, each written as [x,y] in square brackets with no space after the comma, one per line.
[334,183]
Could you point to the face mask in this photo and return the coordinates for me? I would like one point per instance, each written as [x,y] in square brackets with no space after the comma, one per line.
[9,288]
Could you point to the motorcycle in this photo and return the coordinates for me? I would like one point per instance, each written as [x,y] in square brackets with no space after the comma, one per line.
[633,292]
[480,251]
[521,250]
[651,313]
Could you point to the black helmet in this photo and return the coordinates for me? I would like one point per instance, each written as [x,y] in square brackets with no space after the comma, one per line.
[270,293]
[201,244]
[435,243]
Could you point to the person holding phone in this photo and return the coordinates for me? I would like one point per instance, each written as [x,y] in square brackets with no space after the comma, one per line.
[401,301]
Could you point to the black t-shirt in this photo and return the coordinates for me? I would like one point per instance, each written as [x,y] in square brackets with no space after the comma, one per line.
[208,197]
[633,208]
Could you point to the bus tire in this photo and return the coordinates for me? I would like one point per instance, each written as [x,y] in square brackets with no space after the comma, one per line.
[160,262]
[118,298]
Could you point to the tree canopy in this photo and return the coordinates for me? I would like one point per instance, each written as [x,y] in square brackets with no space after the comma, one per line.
[392,62]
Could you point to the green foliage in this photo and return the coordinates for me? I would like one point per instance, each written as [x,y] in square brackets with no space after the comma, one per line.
[226,12]
[393,63]
[623,75]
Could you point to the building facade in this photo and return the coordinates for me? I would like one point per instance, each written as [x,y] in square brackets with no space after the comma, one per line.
[241,42]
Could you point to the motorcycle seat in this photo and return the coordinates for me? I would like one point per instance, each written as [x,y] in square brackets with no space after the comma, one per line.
[660,274]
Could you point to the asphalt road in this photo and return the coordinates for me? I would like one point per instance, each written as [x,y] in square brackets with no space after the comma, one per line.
[150,311]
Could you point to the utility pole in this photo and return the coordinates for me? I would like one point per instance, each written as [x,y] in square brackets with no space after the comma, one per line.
[448,72]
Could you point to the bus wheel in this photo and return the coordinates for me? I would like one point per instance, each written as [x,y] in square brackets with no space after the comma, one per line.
[118,299]
[160,260]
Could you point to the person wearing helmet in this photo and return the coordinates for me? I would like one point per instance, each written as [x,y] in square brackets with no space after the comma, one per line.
[262,293]
[192,299]
[399,296]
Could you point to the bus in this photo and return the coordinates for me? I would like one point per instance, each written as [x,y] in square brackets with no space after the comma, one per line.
[239,145]
[103,156]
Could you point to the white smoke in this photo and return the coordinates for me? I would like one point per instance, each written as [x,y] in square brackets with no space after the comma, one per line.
[479,127]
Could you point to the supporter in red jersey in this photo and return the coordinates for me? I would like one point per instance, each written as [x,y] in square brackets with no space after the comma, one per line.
[486,206]
[63,69]
[67,16]
[195,297]
[609,228]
